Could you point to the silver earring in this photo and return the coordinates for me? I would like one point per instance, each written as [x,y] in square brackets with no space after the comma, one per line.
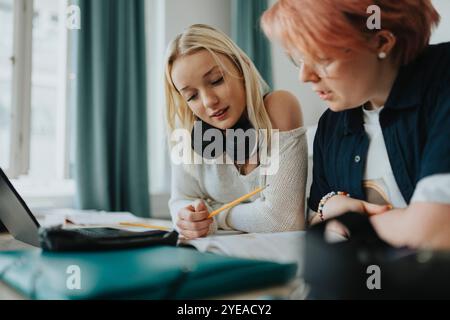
[382,55]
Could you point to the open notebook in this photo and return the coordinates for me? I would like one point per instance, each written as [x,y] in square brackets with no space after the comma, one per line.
[282,247]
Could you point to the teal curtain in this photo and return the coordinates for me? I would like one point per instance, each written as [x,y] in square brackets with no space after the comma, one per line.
[111,167]
[247,33]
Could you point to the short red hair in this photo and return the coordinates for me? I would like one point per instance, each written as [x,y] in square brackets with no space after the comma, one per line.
[318,26]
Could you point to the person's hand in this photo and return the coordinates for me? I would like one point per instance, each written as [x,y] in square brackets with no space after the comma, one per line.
[193,220]
[338,228]
[338,205]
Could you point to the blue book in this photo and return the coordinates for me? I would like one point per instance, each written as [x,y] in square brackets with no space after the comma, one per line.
[161,272]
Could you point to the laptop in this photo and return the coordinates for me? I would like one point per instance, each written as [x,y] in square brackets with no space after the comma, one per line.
[15,214]
[23,226]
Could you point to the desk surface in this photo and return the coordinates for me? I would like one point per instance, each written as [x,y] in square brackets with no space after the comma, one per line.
[8,243]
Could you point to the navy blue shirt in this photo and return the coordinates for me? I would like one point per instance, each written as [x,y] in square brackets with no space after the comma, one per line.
[416,127]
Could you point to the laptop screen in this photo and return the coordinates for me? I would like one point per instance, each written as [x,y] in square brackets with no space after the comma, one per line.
[15,214]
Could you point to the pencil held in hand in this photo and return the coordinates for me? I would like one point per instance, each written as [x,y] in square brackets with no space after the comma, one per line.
[236,202]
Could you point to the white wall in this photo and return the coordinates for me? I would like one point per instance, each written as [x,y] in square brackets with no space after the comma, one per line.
[181,14]
[442,33]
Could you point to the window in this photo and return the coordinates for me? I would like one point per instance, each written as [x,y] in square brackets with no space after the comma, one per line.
[34,131]
[33,80]
[48,91]
[6,60]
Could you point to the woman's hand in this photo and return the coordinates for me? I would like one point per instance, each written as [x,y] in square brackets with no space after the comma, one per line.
[339,205]
[193,220]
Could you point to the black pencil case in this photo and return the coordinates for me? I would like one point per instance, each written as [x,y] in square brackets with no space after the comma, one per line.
[93,239]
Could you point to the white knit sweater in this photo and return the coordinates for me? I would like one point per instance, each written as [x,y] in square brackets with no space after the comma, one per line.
[280,207]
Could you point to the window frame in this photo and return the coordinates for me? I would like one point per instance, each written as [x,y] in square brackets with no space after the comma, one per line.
[21,88]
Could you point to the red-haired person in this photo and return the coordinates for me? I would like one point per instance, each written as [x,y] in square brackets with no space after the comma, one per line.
[383,146]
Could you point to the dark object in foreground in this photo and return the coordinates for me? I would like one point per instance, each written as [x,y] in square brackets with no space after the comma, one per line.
[366,267]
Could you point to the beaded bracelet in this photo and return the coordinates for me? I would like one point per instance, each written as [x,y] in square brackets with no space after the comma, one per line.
[327,197]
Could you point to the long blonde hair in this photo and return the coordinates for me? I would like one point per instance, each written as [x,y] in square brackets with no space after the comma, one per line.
[203,37]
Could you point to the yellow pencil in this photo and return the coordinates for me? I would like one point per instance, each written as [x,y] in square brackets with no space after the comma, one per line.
[144,225]
[236,202]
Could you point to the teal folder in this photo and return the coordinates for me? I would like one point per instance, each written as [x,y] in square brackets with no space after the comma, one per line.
[161,272]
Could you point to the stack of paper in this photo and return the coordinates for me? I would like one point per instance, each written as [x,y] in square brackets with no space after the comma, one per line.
[105,218]
[51,217]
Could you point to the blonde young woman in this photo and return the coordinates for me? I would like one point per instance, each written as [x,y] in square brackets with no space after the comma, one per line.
[210,80]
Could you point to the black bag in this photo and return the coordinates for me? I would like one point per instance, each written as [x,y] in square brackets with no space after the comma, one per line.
[91,239]
[346,270]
